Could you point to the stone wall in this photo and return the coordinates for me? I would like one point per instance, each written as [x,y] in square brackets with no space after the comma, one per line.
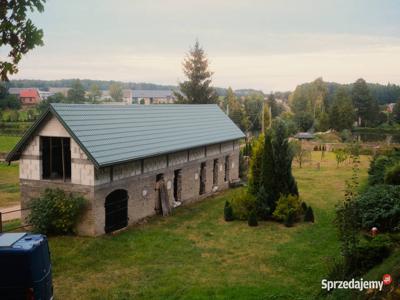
[141,187]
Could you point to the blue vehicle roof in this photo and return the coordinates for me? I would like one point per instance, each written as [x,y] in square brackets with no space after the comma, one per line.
[19,242]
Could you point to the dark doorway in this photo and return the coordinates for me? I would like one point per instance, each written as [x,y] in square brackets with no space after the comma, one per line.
[202,178]
[162,200]
[116,209]
[227,167]
[56,158]
[178,185]
[215,172]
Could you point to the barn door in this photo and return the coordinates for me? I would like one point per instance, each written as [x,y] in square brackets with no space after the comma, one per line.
[116,210]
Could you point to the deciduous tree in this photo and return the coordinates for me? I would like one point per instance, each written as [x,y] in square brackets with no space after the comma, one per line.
[76,94]
[367,108]
[94,92]
[396,112]
[341,113]
[236,111]
[116,92]
[18,33]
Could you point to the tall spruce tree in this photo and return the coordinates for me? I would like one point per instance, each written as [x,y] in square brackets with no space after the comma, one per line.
[268,174]
[285,183]
[255,168]
[197,89]
[275,109]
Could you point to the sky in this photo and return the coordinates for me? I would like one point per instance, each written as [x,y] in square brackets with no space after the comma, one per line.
[267,45]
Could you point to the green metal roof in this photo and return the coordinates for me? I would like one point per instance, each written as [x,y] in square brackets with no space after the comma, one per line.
[111,134]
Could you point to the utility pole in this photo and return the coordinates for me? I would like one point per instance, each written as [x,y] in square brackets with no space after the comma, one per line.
[270,116]
[262,117]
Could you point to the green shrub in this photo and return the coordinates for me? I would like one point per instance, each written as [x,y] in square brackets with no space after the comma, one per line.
[379,206]
[242,204]
[56,212]
[341,155]
[228,212]
[252,220]
[371,253]
[346,135]
[290,218]
[392,174]
[288,205]
[309,215]
[376,172]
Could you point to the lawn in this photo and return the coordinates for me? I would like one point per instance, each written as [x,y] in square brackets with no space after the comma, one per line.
[9,184]
[195,254]
[8,142]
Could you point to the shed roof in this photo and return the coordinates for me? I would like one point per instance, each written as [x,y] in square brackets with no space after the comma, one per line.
[111,134]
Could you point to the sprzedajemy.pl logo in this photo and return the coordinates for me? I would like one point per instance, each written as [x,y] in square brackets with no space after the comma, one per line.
[359,284]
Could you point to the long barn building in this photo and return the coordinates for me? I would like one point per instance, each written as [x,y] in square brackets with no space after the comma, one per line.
[130,162]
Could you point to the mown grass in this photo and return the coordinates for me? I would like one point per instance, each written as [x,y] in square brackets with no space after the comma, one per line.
[195,254]
[9,184]
[8,142]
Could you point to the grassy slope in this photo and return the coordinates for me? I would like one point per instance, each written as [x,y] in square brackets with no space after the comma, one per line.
[8,142]
[196,255]
[9,184]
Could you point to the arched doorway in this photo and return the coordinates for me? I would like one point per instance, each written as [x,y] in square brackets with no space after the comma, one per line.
[116,210]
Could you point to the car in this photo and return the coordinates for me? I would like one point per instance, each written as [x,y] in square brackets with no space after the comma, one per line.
[25,267]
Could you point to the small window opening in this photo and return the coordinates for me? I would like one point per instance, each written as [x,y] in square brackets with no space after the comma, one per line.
[56,158]
[178,185]
[227,161]
[215,172]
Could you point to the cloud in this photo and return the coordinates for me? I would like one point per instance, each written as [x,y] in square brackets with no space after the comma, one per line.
[341,58]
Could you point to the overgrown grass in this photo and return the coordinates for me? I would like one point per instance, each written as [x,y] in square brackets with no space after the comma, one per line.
[8,142]
[195,254]
[9,184]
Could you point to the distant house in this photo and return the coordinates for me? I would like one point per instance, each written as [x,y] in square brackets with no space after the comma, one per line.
[153,97]
[59,90]
[127,96]
[15,91]
[129,161]
[44,95]
[390,107]
[105,95]
[29,96]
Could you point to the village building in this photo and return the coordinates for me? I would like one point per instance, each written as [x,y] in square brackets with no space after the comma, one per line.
[130,161]
[59,90]
[29,97]
[153,97]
